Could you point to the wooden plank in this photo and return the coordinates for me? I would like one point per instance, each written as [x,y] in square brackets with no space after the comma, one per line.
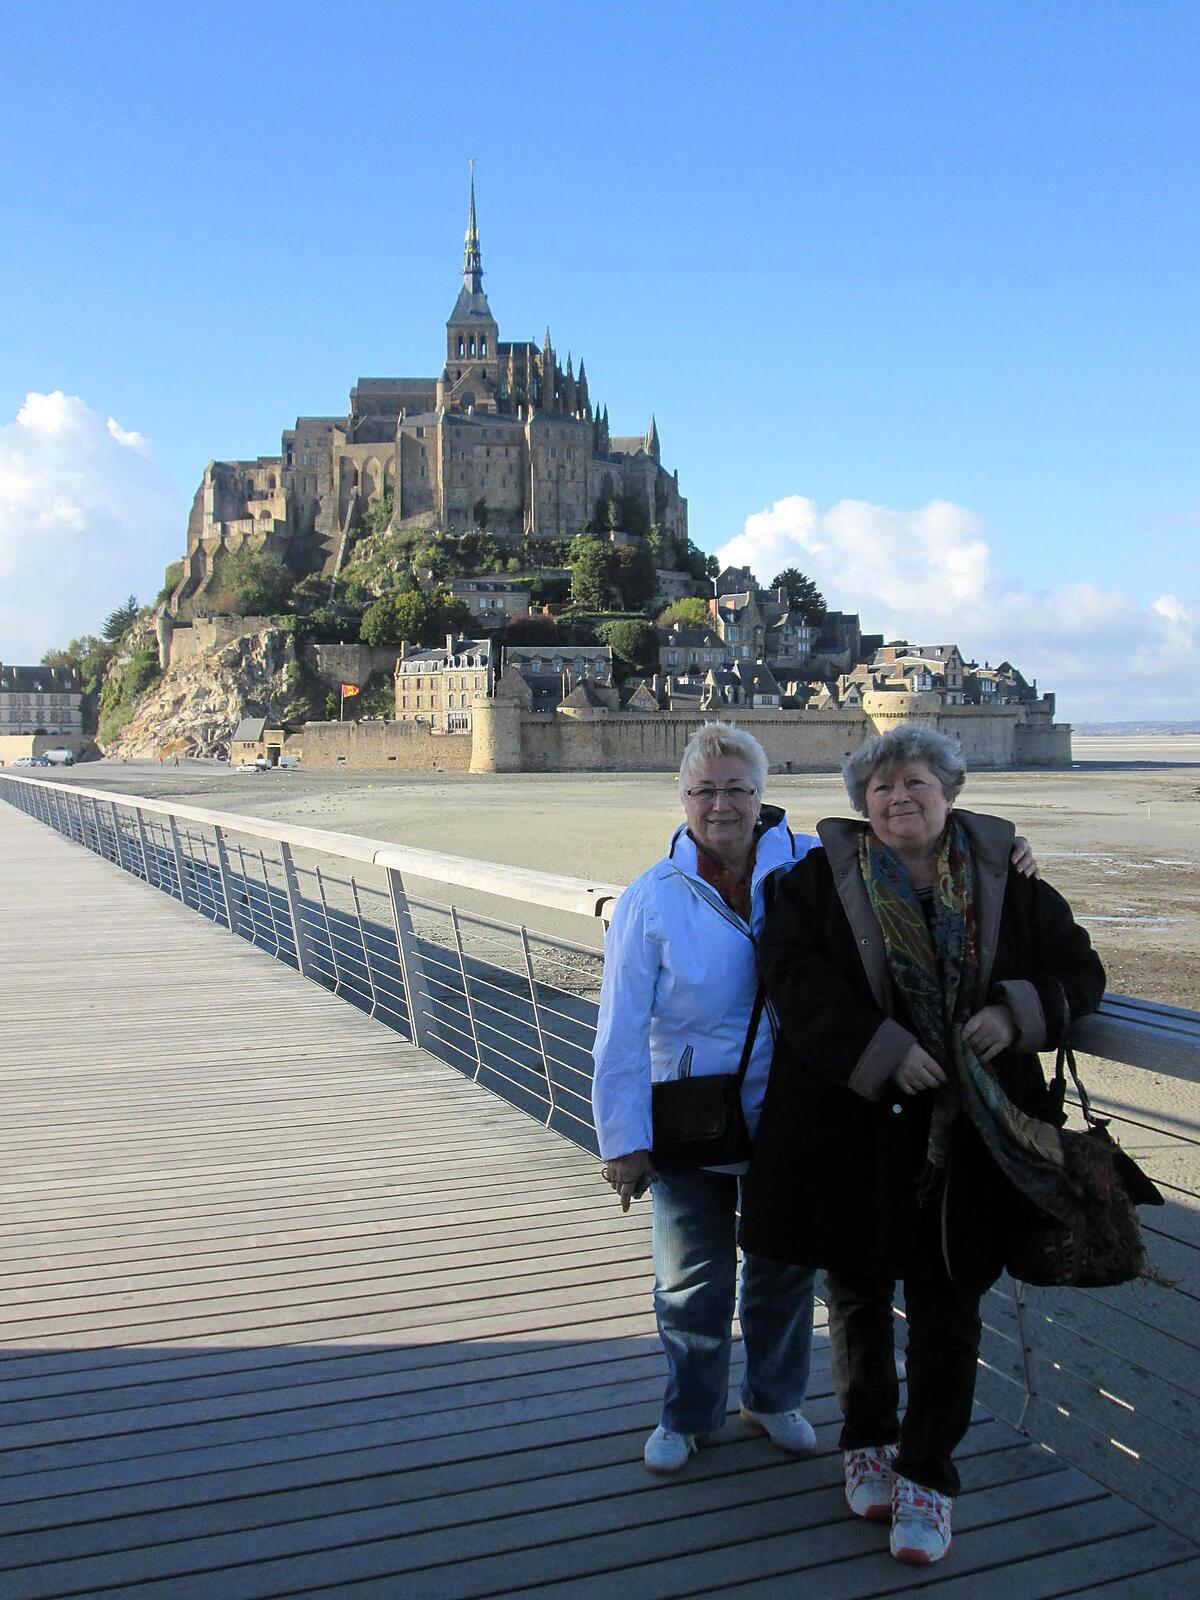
[1180,1581]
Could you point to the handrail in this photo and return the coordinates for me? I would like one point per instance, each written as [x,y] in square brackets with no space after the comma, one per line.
[550,889]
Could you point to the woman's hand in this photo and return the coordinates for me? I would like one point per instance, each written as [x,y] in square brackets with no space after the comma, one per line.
[918,1071]
[628,1175]
[1022,857]
[990,1031]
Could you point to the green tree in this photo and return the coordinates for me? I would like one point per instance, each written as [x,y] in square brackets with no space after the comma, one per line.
[254,584]
[122,688]
[413,618]
[634,576]
[119,622]
[379,513]
[591,566]
[529,630]
[803,594]
[634,643]
[662,548]
[693,612]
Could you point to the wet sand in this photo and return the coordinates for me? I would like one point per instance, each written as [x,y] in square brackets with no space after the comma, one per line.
[1119,834]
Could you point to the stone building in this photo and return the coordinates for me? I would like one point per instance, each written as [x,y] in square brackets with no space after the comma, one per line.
[438,687]
[40,701]
[505,438]
[492,602]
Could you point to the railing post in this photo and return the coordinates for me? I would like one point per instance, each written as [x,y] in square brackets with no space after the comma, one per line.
[74,820]
[100,850]
[226,884]
[116,828]
[249,896]
[141,831]
[262,859]
[337,973]
[362,939]
[462,967]
[416,986]
[1018,1294]
[292,889]
[177,849]
[537,1022]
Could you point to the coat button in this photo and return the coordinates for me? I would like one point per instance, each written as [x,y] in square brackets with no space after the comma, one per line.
[865,939]
[896,1110]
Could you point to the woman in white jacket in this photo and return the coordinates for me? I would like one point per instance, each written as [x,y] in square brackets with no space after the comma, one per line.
[680,981]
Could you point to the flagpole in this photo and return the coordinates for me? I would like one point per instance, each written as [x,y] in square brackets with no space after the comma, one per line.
[342,703]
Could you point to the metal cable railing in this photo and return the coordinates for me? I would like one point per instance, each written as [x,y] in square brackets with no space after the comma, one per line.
[515,1010]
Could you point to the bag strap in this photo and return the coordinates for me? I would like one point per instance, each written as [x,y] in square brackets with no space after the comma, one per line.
[756,1012]
[1066,1056]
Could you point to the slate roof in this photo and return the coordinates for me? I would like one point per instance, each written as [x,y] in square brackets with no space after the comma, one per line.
[250,729]
[38,680]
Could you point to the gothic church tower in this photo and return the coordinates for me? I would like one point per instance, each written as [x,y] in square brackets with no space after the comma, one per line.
[471,378]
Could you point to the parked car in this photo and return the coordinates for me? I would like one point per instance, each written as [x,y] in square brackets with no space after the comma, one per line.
[25,761]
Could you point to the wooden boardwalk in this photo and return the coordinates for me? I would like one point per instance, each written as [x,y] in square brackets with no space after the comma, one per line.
[288,1308]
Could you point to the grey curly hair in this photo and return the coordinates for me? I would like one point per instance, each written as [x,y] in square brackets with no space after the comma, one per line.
[712,740]
[909,742]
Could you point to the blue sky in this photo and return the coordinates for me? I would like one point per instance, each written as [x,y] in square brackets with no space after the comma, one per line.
[911,287]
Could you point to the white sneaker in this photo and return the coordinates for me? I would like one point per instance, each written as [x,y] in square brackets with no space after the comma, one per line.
[790,1430]
[666,1451]
[920,1522]
[869,1481]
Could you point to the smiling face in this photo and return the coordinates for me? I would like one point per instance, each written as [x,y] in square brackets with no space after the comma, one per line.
[724,825]
[907,808]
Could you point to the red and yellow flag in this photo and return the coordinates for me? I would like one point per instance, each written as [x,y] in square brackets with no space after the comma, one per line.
[348,689]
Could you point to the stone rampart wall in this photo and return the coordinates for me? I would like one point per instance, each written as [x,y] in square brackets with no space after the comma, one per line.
[350,663]
[378,747]
[210,633]
[655,742]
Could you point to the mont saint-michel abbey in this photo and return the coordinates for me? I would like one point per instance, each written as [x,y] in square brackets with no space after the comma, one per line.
[504,437]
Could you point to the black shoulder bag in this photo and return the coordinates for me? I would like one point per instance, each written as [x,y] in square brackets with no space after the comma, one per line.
[699,1122]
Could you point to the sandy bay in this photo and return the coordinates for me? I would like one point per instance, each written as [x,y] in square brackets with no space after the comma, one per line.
[1119,833]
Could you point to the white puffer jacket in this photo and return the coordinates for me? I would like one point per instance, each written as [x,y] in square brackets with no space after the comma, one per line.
[680,970]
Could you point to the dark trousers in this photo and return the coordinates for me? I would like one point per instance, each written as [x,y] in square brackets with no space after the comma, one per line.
[943,1346]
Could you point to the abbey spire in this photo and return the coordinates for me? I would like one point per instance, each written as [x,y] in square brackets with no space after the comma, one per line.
[472,256]
[471,332]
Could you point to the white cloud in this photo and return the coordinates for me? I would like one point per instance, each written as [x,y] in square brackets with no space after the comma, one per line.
[86,518]
[927,575]
[127,437]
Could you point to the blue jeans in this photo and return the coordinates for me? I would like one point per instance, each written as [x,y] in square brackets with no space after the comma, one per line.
[695,1269]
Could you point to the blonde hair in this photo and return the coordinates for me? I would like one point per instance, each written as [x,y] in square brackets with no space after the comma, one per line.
[712,740]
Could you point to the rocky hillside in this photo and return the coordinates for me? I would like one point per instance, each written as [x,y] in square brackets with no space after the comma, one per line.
[202,701]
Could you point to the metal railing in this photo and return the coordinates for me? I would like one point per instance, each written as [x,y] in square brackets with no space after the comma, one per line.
[1110,1379]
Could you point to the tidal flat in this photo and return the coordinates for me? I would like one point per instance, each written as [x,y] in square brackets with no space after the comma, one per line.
[1118,834]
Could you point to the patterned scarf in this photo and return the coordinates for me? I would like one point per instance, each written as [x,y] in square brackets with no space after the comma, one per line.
[935,972]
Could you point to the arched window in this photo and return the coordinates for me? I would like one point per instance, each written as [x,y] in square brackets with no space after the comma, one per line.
[483,345]
[472,345]
[461,349]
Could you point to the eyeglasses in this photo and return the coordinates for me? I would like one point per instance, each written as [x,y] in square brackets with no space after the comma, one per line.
[732,792]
